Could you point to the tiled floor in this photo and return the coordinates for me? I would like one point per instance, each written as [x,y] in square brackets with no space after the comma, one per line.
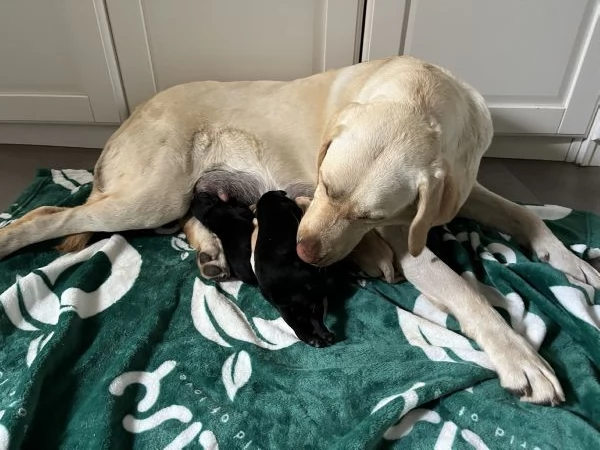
[520,180]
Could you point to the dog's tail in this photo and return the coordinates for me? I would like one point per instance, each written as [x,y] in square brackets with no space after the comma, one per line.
[75,242]
[78,241]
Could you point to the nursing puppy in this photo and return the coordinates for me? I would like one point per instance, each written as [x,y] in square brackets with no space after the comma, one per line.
[297,289]
[232,223]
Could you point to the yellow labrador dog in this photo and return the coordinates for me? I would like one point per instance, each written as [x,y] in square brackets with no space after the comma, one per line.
[393,148]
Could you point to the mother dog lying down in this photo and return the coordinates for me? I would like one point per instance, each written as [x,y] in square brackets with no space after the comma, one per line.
[392,145]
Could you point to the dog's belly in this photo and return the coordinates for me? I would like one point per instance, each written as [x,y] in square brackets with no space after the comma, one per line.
[185,131]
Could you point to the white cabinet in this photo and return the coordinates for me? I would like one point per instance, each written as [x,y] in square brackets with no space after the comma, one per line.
[57,63]
[162,43]
[537,62]
[74,62]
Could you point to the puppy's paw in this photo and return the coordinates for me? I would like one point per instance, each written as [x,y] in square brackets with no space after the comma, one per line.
[525,373]
[319,340]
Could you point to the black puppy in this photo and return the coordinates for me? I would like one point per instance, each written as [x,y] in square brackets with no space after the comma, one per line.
[297,289]
[232,223]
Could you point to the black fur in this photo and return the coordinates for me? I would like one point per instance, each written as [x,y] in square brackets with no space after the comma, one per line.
[297,289]
[232,223]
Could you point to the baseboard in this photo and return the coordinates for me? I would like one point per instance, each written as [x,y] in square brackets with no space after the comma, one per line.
[60,135]
[95,136]
[522,147]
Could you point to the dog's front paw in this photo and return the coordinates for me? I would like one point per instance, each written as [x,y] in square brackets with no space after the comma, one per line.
[525,373]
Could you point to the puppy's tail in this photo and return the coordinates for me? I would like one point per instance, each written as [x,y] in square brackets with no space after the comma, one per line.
[75,242]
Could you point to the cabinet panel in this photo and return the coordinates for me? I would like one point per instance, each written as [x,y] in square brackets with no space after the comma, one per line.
[58,64]
[536,62]
[161,44]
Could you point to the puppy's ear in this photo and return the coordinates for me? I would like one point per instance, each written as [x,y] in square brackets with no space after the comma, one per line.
[303,203]
[437,205]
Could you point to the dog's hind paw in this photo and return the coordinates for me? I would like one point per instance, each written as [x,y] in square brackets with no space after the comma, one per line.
[210,256]
[213,268]
[559,257]
[595,263]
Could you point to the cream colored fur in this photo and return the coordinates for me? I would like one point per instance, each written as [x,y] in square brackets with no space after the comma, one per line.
[393,145]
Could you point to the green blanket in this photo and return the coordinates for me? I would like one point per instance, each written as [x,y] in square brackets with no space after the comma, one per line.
[122,345]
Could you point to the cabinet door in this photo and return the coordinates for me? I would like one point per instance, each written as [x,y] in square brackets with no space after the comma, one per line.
[537,62]
[163,43]
[57,63]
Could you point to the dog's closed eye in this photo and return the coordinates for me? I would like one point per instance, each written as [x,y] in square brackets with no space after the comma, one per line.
[370,217]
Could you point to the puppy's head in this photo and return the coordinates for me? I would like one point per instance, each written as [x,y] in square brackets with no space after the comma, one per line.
[380,164]
[203,202]
[276,208]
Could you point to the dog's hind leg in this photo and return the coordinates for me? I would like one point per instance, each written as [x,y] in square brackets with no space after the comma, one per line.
[528,230]
[210,256]
[78,241]
[114,212]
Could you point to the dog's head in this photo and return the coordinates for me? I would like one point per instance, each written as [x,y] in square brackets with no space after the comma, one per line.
[380,164]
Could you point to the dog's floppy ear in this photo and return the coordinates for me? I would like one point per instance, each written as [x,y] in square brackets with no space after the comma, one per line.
[323,152]
[437,205]
[332,132]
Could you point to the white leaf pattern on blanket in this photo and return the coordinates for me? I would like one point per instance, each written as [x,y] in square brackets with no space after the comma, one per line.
[526,323]
[447,433]
[494,248]
[208,440]
[44,306]
[180,244]
[409,396]
[5,219]
[575,301]
[233,322]
[435,339]
[236,372]
[152,384]
[592,252]
[185,437]
[71,179]
[4,435]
